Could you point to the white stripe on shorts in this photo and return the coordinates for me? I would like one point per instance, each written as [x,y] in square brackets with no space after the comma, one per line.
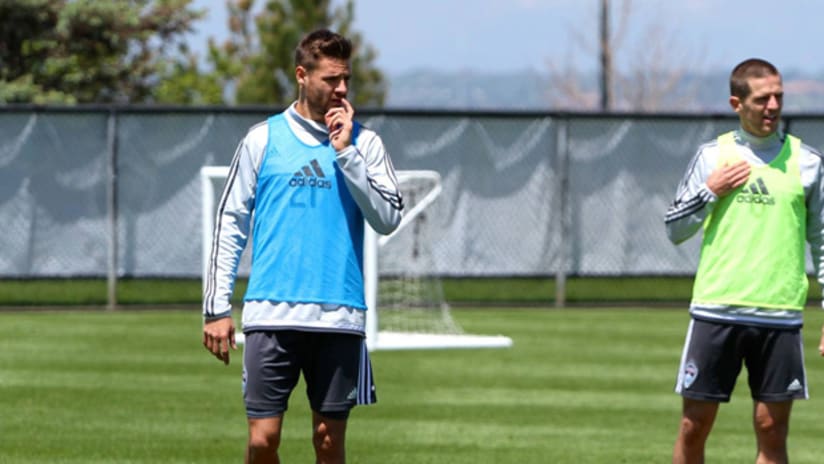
[680,382]
[366,384]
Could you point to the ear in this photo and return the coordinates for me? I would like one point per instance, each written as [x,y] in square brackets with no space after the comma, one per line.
[300,75]
[735,103]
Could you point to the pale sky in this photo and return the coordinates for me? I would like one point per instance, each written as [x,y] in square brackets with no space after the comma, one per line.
[513,35]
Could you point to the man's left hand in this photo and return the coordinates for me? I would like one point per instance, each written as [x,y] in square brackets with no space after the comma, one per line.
[821,343]
[339,122]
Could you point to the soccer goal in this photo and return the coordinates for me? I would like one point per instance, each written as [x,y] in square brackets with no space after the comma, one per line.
[404,293]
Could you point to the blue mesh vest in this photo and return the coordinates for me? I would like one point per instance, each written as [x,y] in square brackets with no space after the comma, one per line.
[307,237]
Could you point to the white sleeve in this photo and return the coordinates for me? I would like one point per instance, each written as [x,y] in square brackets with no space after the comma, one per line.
[370,178]
[693,200]
[232,223]
[812,173]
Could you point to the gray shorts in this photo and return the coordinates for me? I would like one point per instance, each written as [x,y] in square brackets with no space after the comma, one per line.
[335,367]
[715,352]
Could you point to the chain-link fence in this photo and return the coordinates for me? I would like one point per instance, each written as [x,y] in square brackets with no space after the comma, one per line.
[114,192]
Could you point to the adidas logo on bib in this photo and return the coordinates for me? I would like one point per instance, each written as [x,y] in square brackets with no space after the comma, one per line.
[756,192]
[310,175]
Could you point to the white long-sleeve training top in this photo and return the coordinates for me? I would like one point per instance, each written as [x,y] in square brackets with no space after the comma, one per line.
[694,201]
[370,178]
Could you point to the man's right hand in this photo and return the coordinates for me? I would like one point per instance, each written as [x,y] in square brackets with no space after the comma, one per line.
[218,336]
[728,177]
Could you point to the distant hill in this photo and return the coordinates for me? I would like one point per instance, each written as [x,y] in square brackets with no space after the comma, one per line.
[467,90]
[530,90]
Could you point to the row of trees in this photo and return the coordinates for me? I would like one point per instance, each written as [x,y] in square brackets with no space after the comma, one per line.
[136,51]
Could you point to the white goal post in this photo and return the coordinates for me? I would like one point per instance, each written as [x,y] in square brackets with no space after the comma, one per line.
[407,309]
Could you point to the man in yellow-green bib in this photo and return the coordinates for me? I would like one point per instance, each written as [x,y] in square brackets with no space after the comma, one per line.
[757,195]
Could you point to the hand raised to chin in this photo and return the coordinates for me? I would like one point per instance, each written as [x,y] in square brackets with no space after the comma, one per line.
[339,122]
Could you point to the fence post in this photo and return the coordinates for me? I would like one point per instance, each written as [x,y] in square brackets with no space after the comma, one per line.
[562,151]
[111,201]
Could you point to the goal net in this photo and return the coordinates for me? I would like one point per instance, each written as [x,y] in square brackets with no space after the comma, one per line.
[403,291]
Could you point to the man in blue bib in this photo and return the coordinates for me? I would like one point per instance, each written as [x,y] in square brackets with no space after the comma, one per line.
[310,175]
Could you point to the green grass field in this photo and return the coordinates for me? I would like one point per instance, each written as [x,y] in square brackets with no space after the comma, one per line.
[578,386]
[458,291]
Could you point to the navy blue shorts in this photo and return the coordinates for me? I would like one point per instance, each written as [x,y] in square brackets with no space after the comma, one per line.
[714,354]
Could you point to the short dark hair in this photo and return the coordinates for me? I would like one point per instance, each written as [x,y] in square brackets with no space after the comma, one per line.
[319,44]
[747,69]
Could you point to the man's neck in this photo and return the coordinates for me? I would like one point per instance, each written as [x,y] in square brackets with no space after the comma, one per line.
[303,110]
[775,138]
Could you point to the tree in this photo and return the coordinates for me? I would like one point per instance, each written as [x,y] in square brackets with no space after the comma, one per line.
[257,61]
[85,51]
[654,72]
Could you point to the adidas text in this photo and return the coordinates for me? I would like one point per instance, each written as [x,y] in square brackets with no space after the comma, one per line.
[755,198]
[310,182]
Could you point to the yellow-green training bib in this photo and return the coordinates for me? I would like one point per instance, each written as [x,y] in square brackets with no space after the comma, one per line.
[752,253]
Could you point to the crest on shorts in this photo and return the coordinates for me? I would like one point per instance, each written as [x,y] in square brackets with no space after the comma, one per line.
[690,374]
